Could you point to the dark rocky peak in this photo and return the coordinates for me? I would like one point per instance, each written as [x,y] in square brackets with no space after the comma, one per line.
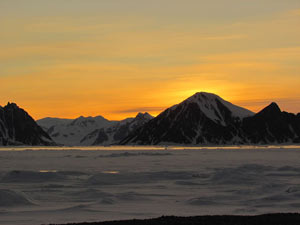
[274,106]
[17,113]
[272,109]
[10,106]
[20,128]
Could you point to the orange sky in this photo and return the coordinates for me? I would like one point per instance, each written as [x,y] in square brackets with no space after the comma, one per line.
[115,59]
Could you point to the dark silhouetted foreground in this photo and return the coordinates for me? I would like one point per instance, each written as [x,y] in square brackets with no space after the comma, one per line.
[267,219]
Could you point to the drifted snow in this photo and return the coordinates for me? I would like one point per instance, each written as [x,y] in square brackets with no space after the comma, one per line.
[11,198]
[64,186]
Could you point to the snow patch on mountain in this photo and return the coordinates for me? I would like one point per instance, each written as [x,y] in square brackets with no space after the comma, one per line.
[117,132]
[70,132]
[85,131]
[208,103]
[48,122]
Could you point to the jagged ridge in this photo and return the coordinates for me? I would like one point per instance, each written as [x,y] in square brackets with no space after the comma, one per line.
[85,131]
[205,118]
[114,134]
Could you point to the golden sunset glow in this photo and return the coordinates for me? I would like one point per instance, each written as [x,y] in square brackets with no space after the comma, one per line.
[117,58]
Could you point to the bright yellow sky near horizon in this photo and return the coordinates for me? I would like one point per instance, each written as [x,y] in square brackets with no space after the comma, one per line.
[116,58]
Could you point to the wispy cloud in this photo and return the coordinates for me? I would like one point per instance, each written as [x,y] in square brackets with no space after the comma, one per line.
[225,37]
[142,109]
[295,12]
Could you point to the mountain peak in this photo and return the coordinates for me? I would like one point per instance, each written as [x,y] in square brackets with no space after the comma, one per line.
[274,105]
[11,105]
[205,95]
[211,104]
[145,115]
[270,109]
[202,118]
[83,121]
[18,127]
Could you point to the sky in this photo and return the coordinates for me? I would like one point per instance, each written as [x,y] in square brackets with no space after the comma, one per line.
[115,58]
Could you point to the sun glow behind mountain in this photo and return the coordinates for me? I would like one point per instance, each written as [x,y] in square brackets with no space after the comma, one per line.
[71,58]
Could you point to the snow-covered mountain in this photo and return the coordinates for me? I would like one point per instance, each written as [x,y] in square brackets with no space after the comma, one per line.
[71,131]
[48,122]
[17,127]
[116,133]
[214,107]
[91,130]
[205,118]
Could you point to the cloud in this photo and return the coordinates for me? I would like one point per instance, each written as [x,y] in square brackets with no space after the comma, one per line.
[295,12]
[142,109]
[225,37]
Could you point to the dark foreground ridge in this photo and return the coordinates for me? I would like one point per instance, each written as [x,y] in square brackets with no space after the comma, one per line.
[17,127]
[266,219]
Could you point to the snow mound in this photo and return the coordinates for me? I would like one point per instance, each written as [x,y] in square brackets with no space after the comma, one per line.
[31,176]
[208,200]
[129,154]
[137,177]
[131,196]
[9,198]
[248,174]
[90,194]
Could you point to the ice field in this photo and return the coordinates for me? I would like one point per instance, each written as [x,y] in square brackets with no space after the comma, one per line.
[60,185]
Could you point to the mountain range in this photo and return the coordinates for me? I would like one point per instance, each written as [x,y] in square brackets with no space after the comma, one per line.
[205,118]
[85,131]
[202,119]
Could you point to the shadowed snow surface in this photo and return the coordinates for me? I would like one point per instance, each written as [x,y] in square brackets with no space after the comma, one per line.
[43,186]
